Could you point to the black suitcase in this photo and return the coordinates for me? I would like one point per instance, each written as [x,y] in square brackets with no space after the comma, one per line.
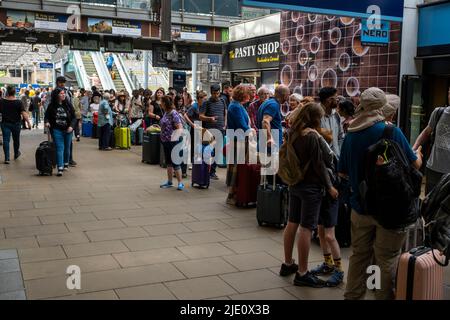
[46,158]
[162,158]
[95,130]
[151,145]
[112,139]
[272,204]
[343,228]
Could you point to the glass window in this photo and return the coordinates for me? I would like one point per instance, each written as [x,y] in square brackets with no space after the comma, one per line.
[228,8]
[198,6]
[176,5]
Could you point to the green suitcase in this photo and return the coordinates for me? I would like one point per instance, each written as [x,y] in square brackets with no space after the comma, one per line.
[123,138]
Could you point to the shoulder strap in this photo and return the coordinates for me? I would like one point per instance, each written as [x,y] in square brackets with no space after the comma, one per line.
[440,112]
[388,132]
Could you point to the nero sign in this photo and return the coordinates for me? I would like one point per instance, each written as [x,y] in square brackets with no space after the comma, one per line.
[253,54]
[376,35]
[391,10]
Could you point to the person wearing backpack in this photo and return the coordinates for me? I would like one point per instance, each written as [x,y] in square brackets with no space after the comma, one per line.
[303,168]
[373,243]
[438,134]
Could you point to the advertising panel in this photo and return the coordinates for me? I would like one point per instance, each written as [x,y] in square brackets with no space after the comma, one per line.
[320,51]
[19,19]
[126,28]
[50,22]
[96,25]
[192,33]
[253,54]
[391,10]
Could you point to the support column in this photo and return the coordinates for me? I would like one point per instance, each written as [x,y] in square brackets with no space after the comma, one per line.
[62,68]
[146,62]
[54,75]
[194,73]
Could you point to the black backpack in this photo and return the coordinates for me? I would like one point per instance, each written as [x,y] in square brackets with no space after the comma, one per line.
[391,185]
[436,213]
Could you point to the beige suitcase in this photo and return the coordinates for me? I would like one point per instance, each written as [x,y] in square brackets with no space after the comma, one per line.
[419,276]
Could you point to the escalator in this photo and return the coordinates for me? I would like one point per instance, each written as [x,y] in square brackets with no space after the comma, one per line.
[86,64]
[90,67]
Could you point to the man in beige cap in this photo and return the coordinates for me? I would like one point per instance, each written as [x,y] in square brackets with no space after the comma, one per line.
[370,241]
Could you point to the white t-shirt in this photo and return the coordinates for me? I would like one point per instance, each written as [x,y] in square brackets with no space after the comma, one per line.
[94,107]
[440,154]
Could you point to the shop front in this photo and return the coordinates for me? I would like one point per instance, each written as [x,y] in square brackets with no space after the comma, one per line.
[423,93]
[253,60]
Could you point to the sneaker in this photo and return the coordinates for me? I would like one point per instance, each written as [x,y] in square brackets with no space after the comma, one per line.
[231,201]
[17,156]
[336,279]
[214,177]
[108,149]
[60,173]
[308,280]
[180,187]
[72,163]
[6,161]
[66,167]
[287,270]
[184,175]
[322,270]
[78,138]
[168,184]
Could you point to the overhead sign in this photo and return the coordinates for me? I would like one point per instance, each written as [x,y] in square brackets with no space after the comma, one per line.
[254,54]
[391,10]
[192,33]
[115,44]
[84,43]
[45,65]
[378,36]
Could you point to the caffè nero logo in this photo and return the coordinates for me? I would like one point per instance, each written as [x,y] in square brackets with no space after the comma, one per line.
[262,49]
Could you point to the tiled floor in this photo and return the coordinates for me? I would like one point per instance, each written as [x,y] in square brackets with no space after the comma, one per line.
[131,239]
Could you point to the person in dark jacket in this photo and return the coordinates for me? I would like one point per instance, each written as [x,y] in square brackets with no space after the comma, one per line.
[12,111]
[61,120]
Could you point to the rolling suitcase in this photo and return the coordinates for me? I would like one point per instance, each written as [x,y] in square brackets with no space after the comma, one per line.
[162,158]
[45,158]
[122,138]
[200,175]
[86,129]
[248,180]
[94,133]
[112,140]
[151,148]
[272,204]
[419,276]
[343,228]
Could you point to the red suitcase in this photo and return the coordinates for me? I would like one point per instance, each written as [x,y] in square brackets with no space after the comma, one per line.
[248,180]
[419,276]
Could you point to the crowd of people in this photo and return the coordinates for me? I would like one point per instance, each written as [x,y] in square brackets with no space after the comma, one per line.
[328,133]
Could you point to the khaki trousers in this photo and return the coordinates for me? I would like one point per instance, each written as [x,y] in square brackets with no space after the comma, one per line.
[373,245]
